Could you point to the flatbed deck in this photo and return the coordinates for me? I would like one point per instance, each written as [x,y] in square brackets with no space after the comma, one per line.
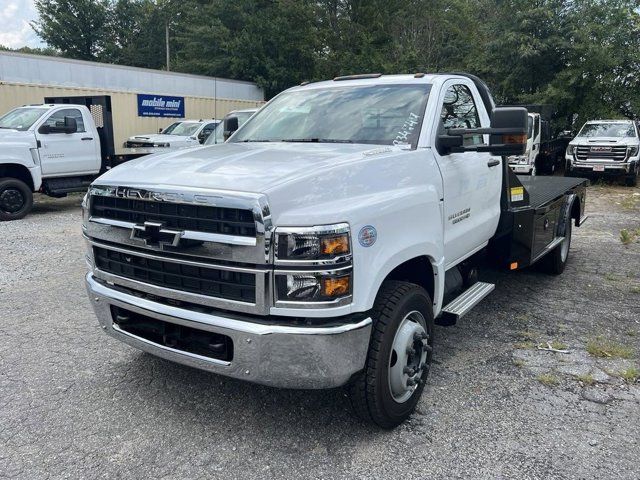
[545,189]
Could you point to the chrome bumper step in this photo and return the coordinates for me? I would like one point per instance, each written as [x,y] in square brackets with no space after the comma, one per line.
[464,302]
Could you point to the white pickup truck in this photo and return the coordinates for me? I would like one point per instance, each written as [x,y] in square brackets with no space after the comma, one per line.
[182,134]
[54,149]
[318,245]
[605,147]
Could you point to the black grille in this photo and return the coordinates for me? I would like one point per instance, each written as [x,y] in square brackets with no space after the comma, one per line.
[187,278]
[200,218]
[178,337]
[601,152]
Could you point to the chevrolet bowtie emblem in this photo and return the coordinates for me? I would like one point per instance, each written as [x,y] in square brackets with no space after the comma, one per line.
[153,234]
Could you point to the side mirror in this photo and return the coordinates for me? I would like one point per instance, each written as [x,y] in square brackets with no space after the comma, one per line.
[507,134]
[230,126]
[160,130]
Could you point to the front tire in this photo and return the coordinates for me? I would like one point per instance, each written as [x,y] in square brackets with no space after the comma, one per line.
[632,179]
[16,199]
[399,356]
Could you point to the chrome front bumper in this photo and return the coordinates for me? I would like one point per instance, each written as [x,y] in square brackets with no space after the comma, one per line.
[609,166]
[276,355]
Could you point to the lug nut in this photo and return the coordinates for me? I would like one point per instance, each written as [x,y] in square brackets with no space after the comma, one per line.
[411,382]
[409,371]
[411,351]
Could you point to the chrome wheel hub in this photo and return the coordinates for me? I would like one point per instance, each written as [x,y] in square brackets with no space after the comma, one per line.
[408,356]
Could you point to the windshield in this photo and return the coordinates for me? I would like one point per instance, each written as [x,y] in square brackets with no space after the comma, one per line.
[185,129]
[618,130]
[371,114]
[21,118]
[218,135]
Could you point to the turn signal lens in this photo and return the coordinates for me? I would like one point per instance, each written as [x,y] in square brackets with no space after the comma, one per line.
[336,286]
[514,139]
[335,245]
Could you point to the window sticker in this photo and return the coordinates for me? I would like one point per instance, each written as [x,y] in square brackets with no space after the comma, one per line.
[408,128]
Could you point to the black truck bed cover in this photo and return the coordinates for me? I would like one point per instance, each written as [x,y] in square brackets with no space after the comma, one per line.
[544,189]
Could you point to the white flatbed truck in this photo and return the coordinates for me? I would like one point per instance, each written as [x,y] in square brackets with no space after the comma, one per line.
[318,245]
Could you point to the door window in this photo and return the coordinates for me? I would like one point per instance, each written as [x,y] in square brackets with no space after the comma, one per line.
[57,118]
[207,130]
[459,111]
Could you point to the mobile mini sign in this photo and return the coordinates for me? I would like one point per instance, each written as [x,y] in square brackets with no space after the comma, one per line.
[160,106]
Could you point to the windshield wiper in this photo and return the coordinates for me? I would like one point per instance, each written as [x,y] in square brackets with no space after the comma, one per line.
[315,140]
[254,140]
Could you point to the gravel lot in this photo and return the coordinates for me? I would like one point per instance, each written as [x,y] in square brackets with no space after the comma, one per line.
[75,403]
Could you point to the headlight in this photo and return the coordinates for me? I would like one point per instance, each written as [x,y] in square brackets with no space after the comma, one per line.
[632,151]
[571,149]
[329,286]
[326,247]
[85,210]
[327,244]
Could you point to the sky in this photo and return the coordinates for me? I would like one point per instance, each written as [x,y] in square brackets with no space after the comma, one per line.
[15,31]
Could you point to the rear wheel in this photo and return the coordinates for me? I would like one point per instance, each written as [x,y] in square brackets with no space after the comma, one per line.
[16,199]
[556,261]
[399,355]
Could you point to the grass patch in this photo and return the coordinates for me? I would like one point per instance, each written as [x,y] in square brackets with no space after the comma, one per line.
[605,348]
[629,203]
[527,345]
[558,345]
[587,379]
[611,277]
[518,362]
[548,379]
[527,335]
[627,237]
[630,375]
[635,289]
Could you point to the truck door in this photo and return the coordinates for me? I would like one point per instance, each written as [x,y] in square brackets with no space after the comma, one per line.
[64,154]
[472,181]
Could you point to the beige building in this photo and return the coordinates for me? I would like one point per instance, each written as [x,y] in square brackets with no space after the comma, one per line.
[28,79]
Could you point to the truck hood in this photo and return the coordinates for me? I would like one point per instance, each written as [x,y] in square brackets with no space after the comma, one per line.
[15,137]
[612,141]
[247,167]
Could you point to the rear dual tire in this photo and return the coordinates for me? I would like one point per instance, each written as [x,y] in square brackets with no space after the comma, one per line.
[556,261]
[16,199]
[388,390]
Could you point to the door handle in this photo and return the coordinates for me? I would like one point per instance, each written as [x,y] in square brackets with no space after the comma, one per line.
[87,138]
[493,163]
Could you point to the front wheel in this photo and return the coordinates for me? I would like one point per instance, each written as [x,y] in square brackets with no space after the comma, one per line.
[399,356]
[632,179]
[16,199]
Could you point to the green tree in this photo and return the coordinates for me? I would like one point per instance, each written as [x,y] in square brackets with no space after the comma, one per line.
[77,28]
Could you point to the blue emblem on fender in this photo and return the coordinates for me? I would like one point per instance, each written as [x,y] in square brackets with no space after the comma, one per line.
[367,236]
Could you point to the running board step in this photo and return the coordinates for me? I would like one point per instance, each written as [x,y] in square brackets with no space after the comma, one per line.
[463,303]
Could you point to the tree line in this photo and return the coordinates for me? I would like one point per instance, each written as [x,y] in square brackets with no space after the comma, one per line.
[582,57]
